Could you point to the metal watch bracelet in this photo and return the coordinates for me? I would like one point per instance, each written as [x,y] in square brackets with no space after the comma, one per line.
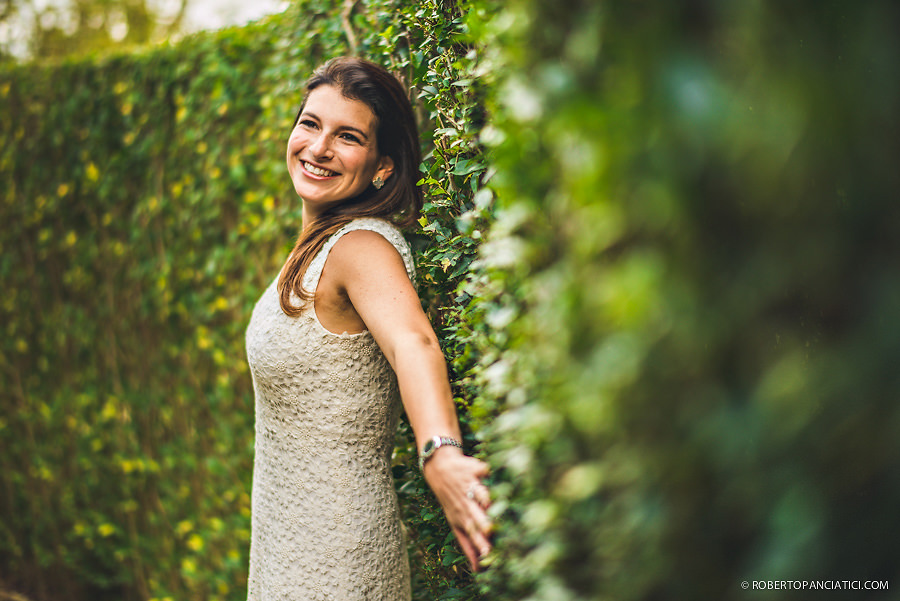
[433,444]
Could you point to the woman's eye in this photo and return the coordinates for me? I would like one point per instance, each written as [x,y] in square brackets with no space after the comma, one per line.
[307,123]
[350,138]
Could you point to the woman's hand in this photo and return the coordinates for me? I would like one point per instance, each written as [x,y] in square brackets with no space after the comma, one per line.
[456,481]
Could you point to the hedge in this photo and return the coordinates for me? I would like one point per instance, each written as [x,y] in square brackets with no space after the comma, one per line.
[145,207]
[659,249]
[688,311]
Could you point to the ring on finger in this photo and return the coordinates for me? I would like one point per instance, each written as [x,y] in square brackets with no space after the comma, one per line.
[477,492]
[470,493]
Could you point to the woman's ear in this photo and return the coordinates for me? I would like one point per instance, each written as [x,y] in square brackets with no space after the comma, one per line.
[385,168]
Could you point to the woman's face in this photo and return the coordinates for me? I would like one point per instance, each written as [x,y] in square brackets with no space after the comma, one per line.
[332,154]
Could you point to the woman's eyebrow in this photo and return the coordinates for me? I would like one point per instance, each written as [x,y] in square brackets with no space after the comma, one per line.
[342,127]
[357,130]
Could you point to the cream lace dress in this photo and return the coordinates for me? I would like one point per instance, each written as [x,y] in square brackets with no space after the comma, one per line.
[325,519]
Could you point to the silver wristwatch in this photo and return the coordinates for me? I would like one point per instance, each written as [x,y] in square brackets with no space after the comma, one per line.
[433,444]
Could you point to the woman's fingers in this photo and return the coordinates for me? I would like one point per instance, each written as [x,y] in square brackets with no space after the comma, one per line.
[478,530]
[457,482]
[483,523]
[468,548]
[474,545]
[481,543]
[472,528]
[483,469]
[479,493]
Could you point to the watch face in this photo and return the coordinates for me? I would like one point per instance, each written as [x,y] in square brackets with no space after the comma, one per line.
[428,448]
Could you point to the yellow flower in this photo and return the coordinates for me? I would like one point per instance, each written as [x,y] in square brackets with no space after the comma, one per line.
[184,527]
[189,566]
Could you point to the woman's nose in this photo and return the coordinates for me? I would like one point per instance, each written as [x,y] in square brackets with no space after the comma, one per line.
[320,147]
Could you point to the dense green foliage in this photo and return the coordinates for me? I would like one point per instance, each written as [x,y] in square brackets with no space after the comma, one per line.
[678,340]
[145,207]
[691,295]
[38,30]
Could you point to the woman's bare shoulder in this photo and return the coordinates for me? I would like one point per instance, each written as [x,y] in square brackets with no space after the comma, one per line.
[361,251]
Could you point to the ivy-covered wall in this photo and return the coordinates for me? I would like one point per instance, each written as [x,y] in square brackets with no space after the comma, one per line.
[689,299]
[677,341]
[145,207]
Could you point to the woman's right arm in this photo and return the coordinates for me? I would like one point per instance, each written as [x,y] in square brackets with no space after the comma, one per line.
[372,273]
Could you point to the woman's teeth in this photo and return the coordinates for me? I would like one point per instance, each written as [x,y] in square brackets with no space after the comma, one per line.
[317,171]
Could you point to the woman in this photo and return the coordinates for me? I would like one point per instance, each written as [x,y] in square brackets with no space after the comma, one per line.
[333,344]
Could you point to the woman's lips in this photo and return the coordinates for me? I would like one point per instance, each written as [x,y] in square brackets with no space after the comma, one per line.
[317,171]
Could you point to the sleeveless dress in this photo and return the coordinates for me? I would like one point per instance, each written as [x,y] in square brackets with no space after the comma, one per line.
[325,518]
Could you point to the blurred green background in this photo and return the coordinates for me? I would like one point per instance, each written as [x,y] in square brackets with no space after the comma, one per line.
[659,248]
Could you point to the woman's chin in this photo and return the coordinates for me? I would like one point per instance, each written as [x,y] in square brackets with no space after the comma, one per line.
[313,194]
[319,195]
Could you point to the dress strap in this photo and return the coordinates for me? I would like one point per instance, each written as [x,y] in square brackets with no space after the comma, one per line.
[388,230]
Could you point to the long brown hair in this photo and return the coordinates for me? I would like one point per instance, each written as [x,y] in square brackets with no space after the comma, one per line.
[399,200]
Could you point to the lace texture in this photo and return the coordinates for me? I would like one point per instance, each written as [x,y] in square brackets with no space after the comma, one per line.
[325,518]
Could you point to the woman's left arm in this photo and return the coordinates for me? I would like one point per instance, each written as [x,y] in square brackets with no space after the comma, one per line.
[372,274]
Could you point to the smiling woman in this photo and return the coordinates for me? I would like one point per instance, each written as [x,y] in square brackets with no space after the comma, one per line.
[337,346]
[331,154]
[357,112]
